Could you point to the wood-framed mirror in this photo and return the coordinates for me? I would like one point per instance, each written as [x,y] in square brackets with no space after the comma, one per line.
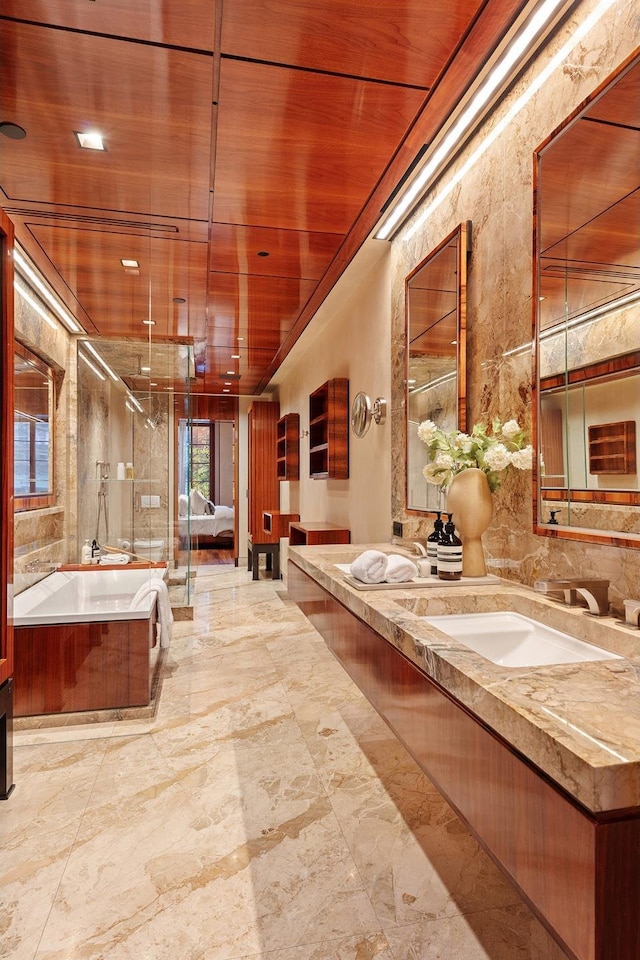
[587,320]
[436,382]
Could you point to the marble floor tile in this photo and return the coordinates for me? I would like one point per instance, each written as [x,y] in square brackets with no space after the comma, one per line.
[264,812]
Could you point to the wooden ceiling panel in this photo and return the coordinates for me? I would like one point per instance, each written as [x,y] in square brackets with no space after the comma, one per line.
[319,110]
[302,151]
[248,305]
[249,368]
[388,40]
[189,23]
[116,301]
[157,157]
[291,253]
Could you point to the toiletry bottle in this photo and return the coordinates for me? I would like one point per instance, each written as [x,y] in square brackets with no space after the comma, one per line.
[95,552]
[129,471]
[449,552]
[85,556]
[432,543]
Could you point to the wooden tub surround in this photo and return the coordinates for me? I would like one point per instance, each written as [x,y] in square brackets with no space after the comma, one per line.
[541,763]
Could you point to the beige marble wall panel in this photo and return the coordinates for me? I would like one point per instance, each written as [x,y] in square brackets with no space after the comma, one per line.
[496,195]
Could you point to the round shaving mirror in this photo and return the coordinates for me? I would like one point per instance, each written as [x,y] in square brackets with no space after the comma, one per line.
[360,414]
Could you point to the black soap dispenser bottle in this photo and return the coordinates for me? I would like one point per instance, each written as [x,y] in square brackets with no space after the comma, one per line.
[449,552]
[432,543]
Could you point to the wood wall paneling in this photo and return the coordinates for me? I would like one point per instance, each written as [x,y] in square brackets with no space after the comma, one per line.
[6,441]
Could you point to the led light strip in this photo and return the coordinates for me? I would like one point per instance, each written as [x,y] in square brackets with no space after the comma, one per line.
[103,363]
[25,294]
[29,273]
[91,365]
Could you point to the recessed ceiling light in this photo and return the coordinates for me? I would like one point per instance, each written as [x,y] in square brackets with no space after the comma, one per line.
[235,356]
[12,131]
[452,342]
[227,383]
[130,263]
[150,323]
[240,338]
[179,300]
[153,384]
[226,390]
[90,140]
[230,371]
[263,253]
[145,369]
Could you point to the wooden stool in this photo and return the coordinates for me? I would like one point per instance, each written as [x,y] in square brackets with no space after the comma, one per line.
[272,553]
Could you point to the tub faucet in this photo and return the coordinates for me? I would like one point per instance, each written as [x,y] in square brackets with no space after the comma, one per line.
[594,591]
[47,565]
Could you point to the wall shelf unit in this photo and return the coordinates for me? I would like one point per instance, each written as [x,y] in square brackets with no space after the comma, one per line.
[612,447]
[329,430]
[288,447]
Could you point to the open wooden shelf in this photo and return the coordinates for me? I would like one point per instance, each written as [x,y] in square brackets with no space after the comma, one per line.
[329,430]
[612,447]
[288,447]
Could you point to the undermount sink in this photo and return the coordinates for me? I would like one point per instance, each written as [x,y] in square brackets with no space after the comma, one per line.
[512,640]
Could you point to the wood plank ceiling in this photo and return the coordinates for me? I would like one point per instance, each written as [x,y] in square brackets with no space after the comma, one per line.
[251,145]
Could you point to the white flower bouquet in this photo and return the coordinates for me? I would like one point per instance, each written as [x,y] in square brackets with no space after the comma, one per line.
[492,452]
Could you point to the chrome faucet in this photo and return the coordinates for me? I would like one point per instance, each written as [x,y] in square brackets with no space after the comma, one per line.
[47,565]
[594,591]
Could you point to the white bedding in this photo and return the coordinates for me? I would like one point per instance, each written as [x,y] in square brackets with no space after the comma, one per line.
[208,526]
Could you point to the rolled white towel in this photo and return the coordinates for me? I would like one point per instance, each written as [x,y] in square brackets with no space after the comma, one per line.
[114,558]
[400,569]
[165,614]
[370,566]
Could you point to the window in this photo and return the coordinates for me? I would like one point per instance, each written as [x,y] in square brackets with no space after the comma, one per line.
[32,431]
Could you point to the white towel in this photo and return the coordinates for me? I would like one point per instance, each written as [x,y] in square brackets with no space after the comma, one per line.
[165,614]
[114,558]
[370,566]
[400,569]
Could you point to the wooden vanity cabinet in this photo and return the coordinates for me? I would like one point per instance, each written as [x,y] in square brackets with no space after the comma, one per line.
[579,872]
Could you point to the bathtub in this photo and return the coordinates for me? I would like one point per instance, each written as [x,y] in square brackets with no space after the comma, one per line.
[78,645]
[84,596]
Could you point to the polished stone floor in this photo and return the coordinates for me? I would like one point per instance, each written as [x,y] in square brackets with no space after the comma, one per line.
[264,812]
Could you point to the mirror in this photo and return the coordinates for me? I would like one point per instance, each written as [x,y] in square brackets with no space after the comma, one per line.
[435,296]
[587,414]
[34,406]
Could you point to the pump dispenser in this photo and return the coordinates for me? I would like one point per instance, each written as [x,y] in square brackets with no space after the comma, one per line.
[95,552]
[449,552]
[85,556]
[432,543]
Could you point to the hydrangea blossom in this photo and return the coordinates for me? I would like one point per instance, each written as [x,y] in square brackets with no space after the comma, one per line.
[454,451]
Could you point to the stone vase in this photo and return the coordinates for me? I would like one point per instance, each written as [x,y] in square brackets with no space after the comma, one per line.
[469,500]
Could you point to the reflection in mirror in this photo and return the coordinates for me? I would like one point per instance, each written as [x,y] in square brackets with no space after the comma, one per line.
[588,320]
[436,368]
[34,405]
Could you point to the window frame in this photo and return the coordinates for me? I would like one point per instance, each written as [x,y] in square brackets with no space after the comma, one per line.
[37,501]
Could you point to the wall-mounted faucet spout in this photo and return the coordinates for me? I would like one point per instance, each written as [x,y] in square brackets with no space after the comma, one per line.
[594,591]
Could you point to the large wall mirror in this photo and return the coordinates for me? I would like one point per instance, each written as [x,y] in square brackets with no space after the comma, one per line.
[436,294]
[588,320]
[34,409]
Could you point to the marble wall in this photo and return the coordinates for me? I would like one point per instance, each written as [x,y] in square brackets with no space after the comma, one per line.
[495,192]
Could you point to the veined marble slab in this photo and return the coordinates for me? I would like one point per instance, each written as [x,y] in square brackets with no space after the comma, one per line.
[416,581]
[578,723]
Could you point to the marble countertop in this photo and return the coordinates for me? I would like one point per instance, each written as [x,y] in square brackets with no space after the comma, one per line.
[579,723]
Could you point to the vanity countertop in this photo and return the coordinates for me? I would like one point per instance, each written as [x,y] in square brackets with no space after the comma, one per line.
[579,723]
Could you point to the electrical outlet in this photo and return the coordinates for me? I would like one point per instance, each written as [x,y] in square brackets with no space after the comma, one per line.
[397,528]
